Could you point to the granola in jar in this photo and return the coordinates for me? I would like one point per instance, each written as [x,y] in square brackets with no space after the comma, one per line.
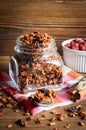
[37,62]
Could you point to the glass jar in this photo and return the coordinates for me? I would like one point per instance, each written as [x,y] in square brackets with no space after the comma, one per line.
[37,63]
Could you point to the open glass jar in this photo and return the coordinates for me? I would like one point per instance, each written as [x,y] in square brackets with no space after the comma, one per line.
[37,63]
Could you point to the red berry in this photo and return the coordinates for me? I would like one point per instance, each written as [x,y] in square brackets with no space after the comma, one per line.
[74,48]
[82,47]
[77,44]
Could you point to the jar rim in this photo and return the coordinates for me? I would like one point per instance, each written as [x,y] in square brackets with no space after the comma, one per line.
[19,42]
[27,49]
[35,51]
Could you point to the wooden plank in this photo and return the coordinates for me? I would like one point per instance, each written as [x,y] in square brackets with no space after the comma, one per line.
[10,33]
[37,1]
[56,18]
[74,1]
[4,63]
[51,13]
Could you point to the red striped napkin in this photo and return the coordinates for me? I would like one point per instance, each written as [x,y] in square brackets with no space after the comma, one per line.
[69,77]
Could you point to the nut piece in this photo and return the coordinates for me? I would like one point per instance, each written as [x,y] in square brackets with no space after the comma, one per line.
[30,118]
[67,125]
[25,124]
[61,117]
[9,125]
[52,119]
[81,123]
[9,105]
[53,112]
[17,110]
[56,129]
[27,113]
[51,123]
[44,115]
[71,114]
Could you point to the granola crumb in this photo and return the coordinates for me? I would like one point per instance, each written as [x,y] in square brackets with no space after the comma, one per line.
[67,125]
[81,123]
[9,125]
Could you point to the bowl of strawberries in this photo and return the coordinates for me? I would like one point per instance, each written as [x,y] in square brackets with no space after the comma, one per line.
[74,54]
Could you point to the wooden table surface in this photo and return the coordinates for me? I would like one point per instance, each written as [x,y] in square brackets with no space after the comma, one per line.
[10,116]
[61,18]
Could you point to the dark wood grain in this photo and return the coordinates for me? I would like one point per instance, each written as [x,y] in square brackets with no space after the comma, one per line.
[8,42]
[62,19]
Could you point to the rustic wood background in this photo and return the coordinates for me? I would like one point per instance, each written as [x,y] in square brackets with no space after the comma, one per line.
[63,19]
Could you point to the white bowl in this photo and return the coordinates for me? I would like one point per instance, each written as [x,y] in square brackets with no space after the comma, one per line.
[74,59]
